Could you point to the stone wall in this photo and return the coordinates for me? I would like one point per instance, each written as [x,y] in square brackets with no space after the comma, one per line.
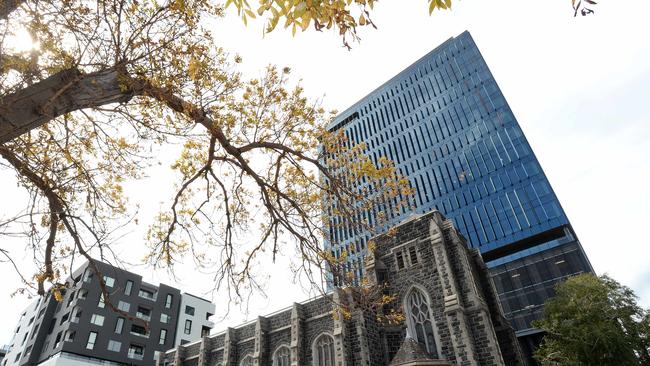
[424,253]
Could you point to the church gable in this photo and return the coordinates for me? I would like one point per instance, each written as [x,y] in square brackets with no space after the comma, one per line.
[442,288]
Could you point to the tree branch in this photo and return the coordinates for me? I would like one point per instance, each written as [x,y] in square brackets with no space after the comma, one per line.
[61,93]
[8,6]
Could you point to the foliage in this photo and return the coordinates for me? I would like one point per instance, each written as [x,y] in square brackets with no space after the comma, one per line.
[112,79]
[107,81]
[344,15]
[594,321]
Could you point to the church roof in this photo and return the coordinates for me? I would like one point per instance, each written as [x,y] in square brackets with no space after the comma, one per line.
[410,352]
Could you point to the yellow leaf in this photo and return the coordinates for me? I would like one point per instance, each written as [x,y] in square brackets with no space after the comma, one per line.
[432,6]
[193,68]
[306,18]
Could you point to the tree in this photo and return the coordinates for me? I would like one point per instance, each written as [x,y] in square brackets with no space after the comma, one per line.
[109,79]
[594,321]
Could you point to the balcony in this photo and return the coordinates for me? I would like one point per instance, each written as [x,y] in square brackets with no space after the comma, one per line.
[135,355]
[139,331]
[147,295]
[143,316]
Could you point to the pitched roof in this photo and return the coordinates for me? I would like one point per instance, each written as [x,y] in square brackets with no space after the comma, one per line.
[410,351]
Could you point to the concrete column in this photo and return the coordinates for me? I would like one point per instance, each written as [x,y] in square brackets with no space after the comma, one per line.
[296,335]
[259,354]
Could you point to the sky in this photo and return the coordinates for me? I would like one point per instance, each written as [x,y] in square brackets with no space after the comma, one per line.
[579,87]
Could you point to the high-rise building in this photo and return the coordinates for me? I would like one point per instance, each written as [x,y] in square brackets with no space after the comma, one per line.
[448,128]
[81,329]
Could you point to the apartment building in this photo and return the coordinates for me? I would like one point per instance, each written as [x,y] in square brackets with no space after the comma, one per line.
[82,328]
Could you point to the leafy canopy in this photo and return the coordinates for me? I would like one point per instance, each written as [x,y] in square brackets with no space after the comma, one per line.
[107,82]
[594,321]
[103,83]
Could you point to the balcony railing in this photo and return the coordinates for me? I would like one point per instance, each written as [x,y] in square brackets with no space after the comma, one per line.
[147,295]
[139,334]
[136,355]
[143,316]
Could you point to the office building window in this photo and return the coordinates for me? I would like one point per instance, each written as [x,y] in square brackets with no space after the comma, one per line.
[119,325]
[128,287]
[168,301]
[70,298]
[205,331]
[189,310]
[188,326]
[109,281]
[69,336]
[88,275]
[97,319]
[101,304]
[58,339]
[124,306]
[164,318]
[114,346]
[92,338]
[163,336]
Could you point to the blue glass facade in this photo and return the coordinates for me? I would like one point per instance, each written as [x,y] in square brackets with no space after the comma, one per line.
[448,128]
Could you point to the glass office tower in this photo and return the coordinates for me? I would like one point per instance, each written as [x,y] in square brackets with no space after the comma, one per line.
[448,128]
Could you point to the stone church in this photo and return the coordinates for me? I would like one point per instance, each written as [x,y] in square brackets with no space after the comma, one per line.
[443,288]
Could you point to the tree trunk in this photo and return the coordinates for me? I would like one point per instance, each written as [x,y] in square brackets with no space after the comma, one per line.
[7,6]
[61,93]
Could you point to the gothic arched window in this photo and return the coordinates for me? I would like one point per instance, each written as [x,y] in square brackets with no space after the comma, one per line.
[419,320]
[246,361]
[323,351]
[282,356]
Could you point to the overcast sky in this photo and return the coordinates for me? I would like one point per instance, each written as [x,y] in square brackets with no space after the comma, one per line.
[579,87]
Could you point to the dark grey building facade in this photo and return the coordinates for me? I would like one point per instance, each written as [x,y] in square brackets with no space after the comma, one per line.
[448,300]
[83,329]
[446,125]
